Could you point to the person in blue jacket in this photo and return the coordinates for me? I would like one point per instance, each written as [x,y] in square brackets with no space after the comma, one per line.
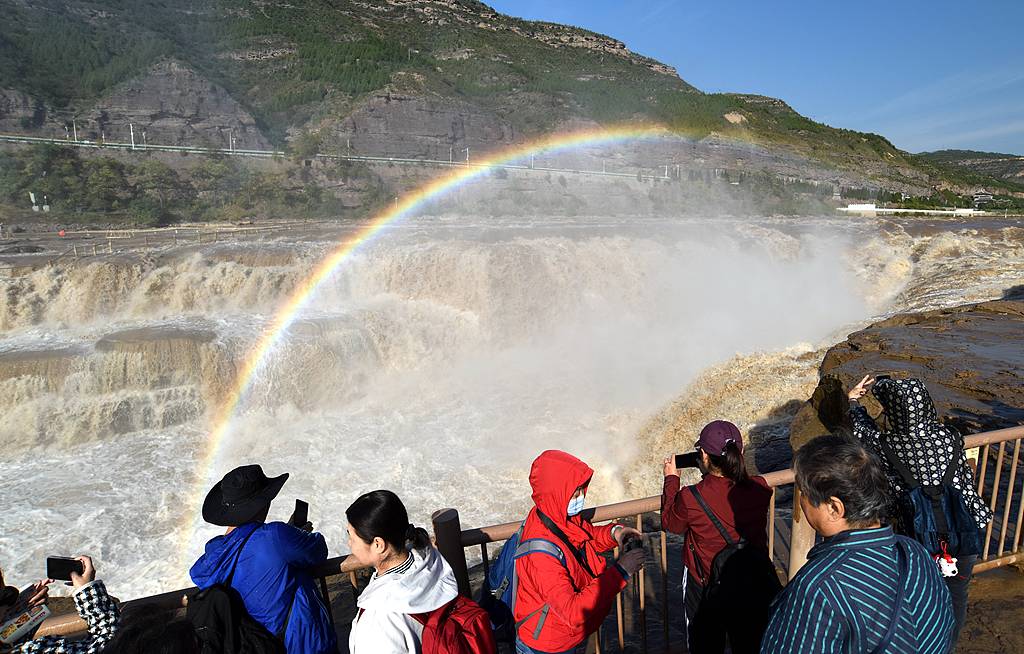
[272,561]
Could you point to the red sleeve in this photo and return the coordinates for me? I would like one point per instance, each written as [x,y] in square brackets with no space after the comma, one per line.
[574,608]
[673,511]
[603,539]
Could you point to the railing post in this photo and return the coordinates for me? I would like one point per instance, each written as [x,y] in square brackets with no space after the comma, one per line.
[801,539]
[448,536]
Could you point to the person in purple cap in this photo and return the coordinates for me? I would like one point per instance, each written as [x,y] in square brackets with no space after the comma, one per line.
[728,578]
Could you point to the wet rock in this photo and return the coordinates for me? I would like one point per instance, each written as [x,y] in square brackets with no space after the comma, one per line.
[971,358]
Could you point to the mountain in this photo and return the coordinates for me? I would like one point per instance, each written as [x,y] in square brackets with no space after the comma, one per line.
[312,64]
[421,79]
[1008,168]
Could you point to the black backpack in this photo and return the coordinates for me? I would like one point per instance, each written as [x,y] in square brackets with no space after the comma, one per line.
[935,515]
[222,623]
[739,570]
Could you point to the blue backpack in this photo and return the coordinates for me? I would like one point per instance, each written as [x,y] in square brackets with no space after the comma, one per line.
[498,593]
[935,515]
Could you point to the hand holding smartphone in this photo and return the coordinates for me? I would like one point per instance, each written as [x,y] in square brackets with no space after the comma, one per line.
[300,516]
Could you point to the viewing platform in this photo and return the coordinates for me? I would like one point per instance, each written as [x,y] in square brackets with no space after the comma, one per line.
[647,615]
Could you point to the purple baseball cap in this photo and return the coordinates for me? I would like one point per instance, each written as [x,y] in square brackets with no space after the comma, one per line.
[715,436]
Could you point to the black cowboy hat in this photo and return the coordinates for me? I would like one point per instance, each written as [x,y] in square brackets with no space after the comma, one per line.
[240,496]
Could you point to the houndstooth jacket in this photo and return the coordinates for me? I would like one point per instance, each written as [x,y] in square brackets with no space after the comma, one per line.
[98,611]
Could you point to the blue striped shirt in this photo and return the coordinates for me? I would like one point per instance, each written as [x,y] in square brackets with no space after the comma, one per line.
[844,599]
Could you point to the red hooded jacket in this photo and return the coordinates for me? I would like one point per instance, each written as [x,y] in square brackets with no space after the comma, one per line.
[578,602]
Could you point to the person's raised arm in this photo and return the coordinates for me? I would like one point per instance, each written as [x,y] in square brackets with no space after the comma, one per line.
[864,428]
[673,512]
[298,547]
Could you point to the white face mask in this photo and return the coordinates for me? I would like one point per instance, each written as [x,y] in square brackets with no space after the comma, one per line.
[576,505]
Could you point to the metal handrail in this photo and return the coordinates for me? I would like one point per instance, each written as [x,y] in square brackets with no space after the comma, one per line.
[451,540]
[628,508]
[71,623]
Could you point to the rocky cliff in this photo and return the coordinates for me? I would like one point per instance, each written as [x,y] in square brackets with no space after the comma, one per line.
[171,103]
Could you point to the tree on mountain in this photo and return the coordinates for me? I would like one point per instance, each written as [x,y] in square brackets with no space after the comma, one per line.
[161,183]
[106,187]
[306,145]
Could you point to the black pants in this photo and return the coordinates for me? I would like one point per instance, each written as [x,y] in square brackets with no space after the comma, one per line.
[958,586]
[707,626]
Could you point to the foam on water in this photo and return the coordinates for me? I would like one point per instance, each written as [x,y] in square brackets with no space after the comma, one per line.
[437,363]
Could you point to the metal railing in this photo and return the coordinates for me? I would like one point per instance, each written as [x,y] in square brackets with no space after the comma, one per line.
[652,171]
[788,543]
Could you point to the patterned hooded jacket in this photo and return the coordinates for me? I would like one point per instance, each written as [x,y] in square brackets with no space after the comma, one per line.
[919,440]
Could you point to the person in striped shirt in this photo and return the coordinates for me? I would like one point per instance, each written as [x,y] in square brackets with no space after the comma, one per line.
[863,588]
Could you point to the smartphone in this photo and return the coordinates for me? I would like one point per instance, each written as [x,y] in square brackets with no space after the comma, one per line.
[61,567]
[300,515]
[688,460]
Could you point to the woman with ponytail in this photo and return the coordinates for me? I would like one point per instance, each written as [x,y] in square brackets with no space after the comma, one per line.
[409,576]
[726,502]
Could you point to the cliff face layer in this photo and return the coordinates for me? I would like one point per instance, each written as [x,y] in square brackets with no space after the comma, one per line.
[970,357]
[411,78]
[174,104]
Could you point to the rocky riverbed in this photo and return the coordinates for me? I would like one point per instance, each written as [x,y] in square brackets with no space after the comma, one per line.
[971,358]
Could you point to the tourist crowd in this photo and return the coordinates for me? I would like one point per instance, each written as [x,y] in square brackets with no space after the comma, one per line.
[895,509]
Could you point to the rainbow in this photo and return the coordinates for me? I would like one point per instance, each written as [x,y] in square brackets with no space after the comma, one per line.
[221,419]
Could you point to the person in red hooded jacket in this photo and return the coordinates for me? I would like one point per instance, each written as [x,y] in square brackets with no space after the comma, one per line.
[558,606]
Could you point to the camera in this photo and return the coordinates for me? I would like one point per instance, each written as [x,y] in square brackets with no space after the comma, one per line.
[632,542]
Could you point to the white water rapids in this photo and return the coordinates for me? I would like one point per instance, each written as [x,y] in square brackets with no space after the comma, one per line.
[438,362]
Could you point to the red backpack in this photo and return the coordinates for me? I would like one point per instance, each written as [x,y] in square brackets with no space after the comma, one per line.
[458,627]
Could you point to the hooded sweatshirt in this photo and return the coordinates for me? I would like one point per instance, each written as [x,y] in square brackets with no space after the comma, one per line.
[919,440]
[384,622]
[578,602]
[271,577]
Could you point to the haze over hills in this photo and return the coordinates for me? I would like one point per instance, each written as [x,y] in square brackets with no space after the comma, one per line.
[411,78]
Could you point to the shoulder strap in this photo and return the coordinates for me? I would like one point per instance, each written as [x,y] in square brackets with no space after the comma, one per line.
[947,478]
[902,564]
[711,514]
[580,556]
[238,555]
[540,545]
[898,465]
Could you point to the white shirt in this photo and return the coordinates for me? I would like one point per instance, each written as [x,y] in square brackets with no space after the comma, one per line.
[383,623]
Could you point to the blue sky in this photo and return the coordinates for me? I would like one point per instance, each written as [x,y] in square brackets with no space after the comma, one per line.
[926,74]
